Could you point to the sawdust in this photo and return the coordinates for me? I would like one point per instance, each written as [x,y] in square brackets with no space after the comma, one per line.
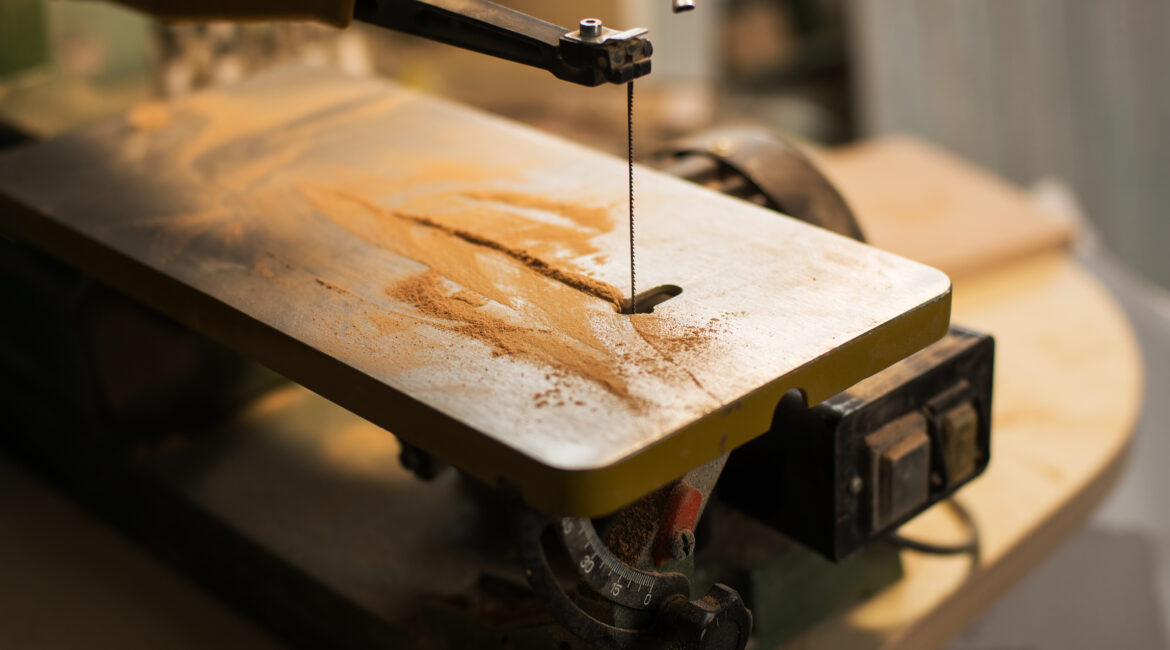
[233,233]
[391,229]
[548,240]
[224,118]
[672,340]
[596,219]
[233,163]
[562,244]
[563,349]
[287,264]
[632,530]
[575,280]
[670,337]
[548,397]
[334,287]
[521,305]
[423,173]
[345,292]
[508,269]
[475,300]
[386,324]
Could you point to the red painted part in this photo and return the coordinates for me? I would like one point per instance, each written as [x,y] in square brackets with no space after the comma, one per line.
[680,513]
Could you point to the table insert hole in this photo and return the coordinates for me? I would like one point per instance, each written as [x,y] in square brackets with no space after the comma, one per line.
[647,300]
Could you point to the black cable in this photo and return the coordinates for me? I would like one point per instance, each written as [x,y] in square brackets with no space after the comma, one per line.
[969,547]
[10,136]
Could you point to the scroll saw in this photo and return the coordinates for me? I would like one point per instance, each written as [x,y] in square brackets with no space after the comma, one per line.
[459,280]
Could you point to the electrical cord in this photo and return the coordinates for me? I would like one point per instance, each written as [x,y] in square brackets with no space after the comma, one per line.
[969,547]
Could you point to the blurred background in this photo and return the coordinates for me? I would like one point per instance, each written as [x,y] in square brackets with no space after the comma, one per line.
[1068,99]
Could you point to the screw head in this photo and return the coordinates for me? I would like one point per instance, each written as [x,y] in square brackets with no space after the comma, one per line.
[590,27]
[855,485]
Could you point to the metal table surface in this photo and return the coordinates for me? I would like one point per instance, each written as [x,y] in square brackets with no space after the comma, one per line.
[451,276]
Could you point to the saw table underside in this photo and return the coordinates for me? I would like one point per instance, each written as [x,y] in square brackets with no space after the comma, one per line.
[453,277]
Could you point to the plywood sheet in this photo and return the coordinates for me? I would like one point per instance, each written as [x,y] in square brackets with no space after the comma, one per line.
[915,199]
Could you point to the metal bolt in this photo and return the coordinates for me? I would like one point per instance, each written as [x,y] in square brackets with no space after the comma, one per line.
[855,485]
[420,463]
[679,6]
[590,28]
[682,544]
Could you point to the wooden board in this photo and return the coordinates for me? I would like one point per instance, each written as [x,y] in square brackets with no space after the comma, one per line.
[453,277]
[915,199]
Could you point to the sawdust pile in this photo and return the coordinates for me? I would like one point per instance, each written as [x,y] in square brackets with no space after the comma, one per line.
[628,535]
[549,241]
[578,281]
[573,351]
[487,280]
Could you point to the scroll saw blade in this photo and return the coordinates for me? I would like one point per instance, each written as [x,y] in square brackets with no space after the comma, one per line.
[630,161]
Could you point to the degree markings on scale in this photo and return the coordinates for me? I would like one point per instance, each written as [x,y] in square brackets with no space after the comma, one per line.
[615,571]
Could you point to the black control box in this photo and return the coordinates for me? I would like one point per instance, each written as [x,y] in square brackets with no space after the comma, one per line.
[850,470]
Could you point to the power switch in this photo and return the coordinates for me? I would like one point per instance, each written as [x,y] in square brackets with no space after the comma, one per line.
[960,426]
[899,468]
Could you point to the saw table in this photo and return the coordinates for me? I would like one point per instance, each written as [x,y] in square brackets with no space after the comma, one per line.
[457,279]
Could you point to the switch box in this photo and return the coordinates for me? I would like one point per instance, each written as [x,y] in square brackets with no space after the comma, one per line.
[840,474]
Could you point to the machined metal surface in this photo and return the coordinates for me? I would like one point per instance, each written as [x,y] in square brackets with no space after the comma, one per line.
[590,56]
[455,278]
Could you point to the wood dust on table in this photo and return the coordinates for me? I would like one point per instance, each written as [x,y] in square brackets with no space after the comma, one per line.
[508,280]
